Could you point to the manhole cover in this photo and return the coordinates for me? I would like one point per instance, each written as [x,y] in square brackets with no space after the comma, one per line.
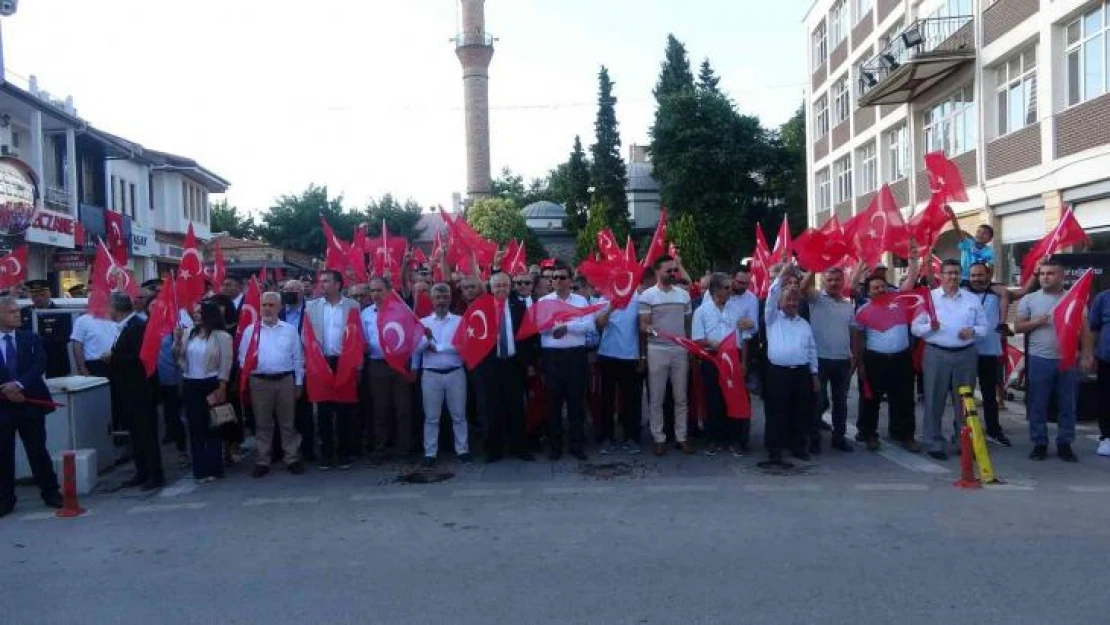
[607,470]
[423,477]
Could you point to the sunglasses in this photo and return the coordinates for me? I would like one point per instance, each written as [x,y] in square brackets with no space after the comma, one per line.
[523,283]
[560,277]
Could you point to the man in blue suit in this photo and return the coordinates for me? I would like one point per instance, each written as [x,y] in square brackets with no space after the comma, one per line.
[22,388]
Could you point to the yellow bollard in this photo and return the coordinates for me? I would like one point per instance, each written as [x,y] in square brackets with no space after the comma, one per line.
[978,440]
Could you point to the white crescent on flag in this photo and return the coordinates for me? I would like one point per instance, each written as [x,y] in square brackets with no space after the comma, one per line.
[192,269]
[398,330]
[913,297]
[727,359]
[479,314]
[620,291]
[9,260]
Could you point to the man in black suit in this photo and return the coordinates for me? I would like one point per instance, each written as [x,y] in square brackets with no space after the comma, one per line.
[499,378]
[129,380]
[21,379]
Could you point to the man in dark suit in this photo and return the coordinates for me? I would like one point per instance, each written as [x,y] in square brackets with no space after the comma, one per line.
[499,378]
[130,382]
[21,379]
[54,329]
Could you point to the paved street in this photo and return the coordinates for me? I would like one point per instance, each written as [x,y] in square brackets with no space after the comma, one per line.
[863,538]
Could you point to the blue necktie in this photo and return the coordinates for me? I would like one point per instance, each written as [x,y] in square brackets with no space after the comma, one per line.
[9,354]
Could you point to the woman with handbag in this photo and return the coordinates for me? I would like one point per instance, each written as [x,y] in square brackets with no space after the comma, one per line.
[205,355]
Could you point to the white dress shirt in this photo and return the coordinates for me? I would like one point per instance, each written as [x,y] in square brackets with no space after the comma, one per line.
[789,339]
[712,323]
[196,360]
[279,350]
[954,312]
[335,324]
[370,331]
[744,306]
[96,336]
[576,328]
[440,353]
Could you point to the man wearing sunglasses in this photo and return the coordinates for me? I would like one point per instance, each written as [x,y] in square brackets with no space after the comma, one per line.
[665,310]
[522,285]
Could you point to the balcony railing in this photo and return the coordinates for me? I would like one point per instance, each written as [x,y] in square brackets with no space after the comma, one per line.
[56,199]
[928,38]
[463,40]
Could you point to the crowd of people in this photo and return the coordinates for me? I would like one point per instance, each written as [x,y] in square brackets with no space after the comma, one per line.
[801,347]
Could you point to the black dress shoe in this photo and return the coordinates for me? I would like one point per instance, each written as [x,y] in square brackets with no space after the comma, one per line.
[136,480]
[53,500]
[152,484]
[526,456]
[492,457]
[840,443]
[296,468]
[1065,453]
[1040,452]
[815,446]
[579,454]
[259,471]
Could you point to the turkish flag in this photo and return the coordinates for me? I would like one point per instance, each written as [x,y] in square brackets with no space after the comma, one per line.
[477,333]
[658,240]
[399,333]
[464,241]
[424,306]
[336,257]
[823,248]
[878,229]
[893,309]
[250,359]
[218,271]
[190,277]
[629,249]
[1012,358]
[249,310]
[356,256]
[350,360]
[944,177]
[106,276]
[761,265]
[926,226]
[1067,319]
[607,244]
[1067,232]
[545,314]
[13,266]
[388,253]
[616,280]
[730,377]
[319,378]
[113,232]
[161,320]
[418,258]
[781,252]
[513,263]
[672,250]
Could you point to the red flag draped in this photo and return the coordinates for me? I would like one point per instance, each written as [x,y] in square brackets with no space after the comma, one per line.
[658,240]
[477,333]
[893,309]
[1067,232]
[356,256]
[464,241]
[513,263]
[615,280]
[926,226]
[336,257]
[607,244]
[319,378]
[1013,358]
[424,306]
[350,360]
[190,277]
[781,252]
[548,313]
[248,310]
[105,277]
[730,372]
[1067,319]
[250,359]
[219,266]
[761,265]
[823,248]
[388,252]
[13,267]
[399,333]
[113,230]
[161,320]
[944,177]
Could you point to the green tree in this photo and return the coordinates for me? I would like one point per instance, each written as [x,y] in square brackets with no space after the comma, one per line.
[608,173]
[785,176]
[570,186]
[293,222]
[674,75]
[510,186]
[497,219]
[707,79]
[226,218]
[402,219]
[586,239]
[687,239]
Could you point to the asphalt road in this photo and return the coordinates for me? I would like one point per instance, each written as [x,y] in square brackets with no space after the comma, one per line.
[850,538]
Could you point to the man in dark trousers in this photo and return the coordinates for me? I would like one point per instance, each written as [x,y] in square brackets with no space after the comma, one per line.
[129,378]
[24,360]
[499,378]
[292,312]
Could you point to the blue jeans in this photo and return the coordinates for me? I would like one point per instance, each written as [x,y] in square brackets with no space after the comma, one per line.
[1043,378]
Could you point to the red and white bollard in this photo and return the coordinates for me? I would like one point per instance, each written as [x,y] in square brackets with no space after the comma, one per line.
[70,507]
[967,461]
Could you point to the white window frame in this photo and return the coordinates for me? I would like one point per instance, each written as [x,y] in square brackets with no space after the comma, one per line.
[867,169]
[820,45]
[1016,87]
[1085,39]
[821,116]
[822,191]
[860,8]
[838,23]
[842,100]
[897,146]
[842,170]
[951,125]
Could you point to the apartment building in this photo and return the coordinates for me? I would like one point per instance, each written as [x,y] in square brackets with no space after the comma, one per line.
[1016,92]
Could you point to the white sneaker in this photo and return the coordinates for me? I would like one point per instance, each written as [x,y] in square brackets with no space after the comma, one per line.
[1104,447]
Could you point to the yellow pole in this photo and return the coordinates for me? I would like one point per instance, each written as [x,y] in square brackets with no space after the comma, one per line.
[978,441]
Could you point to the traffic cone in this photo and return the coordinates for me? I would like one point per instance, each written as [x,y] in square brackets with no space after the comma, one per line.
[70,507]
[967,462]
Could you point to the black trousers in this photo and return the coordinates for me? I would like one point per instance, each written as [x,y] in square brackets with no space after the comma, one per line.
[788,408]
[170,397]
[99,369]
[837,376]
[32,431]
[1103,397]
[338,435]
[500,388]
[619,378]
[720,428]
[141,420]
[988,386]
[565,373]
[889,375]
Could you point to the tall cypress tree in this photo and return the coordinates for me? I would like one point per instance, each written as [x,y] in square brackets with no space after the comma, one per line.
[674,75]
[707,78]
[608,173]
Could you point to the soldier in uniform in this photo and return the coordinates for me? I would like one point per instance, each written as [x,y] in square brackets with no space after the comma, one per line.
[53,329]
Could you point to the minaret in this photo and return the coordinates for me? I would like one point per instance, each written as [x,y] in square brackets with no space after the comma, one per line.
[474,47]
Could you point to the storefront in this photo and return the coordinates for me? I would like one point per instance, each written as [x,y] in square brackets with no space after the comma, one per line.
[50,234]
[1091,204]
[1020,225]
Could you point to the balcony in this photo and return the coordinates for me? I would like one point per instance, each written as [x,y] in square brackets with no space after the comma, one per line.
[476,39]
[925,53]
[57,199]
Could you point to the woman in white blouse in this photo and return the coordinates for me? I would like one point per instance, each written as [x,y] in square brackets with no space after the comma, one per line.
[206,357]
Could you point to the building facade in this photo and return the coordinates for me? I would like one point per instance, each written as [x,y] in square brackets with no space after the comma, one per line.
[1015,92]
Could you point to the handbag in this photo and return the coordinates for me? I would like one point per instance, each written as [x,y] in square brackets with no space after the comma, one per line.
[221,415]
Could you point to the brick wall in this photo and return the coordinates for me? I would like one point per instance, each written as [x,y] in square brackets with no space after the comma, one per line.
[966,163]
[863,118]
[840,134]
[1014,152]
[843,211]
[863,28]
[821,148]
[839,54]
[819,75]
[900,189]
[1004,15]
[886,7]
[1083,127]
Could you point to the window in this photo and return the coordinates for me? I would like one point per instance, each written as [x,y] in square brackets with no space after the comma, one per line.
[868,169]
[842,100]
[115,200]
[950,125]
[823,199]
[821,116]
[1017,92]
[122,208]
[838,23]
[820,46]
[184,200]
[15,139]
[897,153]
[1086,53]
[132,201]
[860,8]
[843,169]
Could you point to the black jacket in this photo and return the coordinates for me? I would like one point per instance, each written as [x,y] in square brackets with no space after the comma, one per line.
[125,369]
[30,359]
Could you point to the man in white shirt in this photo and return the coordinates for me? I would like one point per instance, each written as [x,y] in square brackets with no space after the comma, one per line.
[337,422]
[665,309]
[791,375]
[444,378]
[276,385]
[565,368]
[950,358]
[91,339]
[713,323]
[391,394]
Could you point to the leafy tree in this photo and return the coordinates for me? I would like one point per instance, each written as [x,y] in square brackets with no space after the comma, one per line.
[226,218]
[785,187]
[294,221]
[586,239]
[707,79]
[675,75]
[687,239]
[401,219]
[497,219]
[570,186]
[510,186]
[608,173]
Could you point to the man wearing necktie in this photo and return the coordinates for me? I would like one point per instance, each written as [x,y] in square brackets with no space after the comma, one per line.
[21,379]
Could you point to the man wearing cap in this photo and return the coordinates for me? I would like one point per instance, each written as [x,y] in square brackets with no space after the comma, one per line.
[53,329]
[77,291]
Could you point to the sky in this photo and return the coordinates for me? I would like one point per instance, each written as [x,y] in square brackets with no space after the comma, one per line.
[365,97]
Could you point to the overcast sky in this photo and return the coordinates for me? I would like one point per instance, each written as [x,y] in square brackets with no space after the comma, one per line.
[366,96]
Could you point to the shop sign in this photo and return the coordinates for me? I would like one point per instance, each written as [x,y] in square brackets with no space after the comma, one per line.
[142,241]
[70,261]
[52,228]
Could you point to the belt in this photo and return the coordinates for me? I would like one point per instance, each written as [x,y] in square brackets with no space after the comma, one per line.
[273,377]
[791,367]
[951,349]
[443,371]
[892,356]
